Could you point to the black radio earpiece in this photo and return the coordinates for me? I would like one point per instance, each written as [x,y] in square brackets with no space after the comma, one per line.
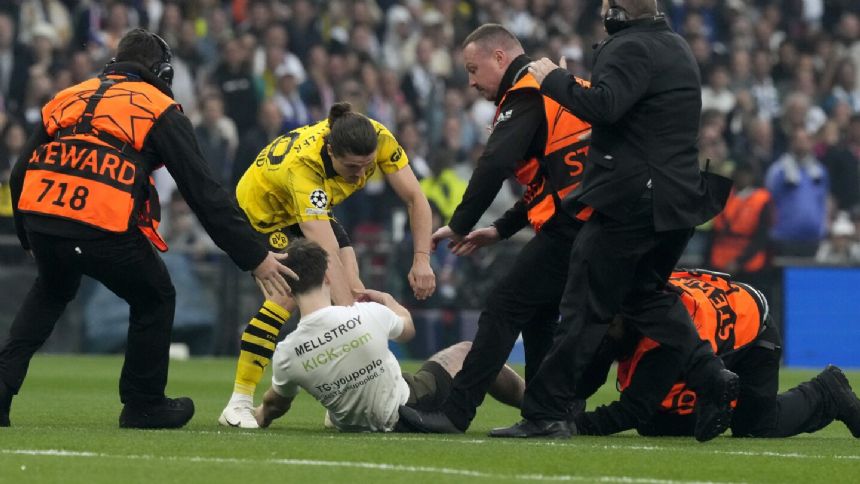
[163,69]
[616,18]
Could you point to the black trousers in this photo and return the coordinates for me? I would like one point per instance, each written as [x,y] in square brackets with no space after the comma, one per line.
[127,265]
[525,300]
[617,268]
[760,411]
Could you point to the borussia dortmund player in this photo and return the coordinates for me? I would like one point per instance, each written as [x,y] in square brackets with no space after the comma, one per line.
[289,192]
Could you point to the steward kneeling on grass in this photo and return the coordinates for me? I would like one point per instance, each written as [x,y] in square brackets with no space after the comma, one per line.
[734,318]
[340,355]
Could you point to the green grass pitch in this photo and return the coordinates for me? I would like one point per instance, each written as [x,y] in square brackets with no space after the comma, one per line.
[65,430]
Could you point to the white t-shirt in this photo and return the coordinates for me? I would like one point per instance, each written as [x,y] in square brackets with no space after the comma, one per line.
[339,354]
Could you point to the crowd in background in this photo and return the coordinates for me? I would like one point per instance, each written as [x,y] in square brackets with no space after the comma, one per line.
[781,103]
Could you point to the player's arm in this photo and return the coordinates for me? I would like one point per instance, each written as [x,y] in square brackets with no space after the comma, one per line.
[421,277]
[320,231]
[388,301]
[274,406]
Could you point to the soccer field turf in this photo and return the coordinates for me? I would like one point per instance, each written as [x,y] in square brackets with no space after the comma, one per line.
[65,430]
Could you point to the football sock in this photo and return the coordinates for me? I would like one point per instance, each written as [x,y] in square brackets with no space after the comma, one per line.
[258,346]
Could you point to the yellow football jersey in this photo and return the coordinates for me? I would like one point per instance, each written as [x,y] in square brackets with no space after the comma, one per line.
[293,180]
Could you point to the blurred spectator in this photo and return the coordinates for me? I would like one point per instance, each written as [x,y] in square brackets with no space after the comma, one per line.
[401,39]
[716,93]
[799,185]
[288,100]
[43,42]
[12,139]
[843,165]
[444,188]
[237,85]
[36,13]
[798,113]
[740,243]
[763,88]
[422,88]
[845,88]
[14,66]
[217,137]
[271,55]
[269,125]
[317,91]
[841,248]
[303,29]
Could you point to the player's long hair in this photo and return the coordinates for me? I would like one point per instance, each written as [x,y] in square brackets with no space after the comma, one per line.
[351,133]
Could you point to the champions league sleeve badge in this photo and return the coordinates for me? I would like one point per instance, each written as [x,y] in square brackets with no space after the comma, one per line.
[319,199]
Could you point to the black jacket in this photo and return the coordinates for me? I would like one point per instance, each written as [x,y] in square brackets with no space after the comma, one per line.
[644,106]
[171,141]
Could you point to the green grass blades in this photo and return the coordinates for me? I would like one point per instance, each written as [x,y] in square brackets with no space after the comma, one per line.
[65,430]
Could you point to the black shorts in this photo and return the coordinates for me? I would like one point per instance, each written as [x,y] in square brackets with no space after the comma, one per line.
[278,240]
[429,387]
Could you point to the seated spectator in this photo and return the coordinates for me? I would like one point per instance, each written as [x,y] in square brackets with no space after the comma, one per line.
[716,93]
[842,247]
[287,98]
[845,87]
[270,125]
[800,185]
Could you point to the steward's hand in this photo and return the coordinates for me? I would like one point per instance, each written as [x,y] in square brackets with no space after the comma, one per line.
[443,233]
[477,239]
[270,274]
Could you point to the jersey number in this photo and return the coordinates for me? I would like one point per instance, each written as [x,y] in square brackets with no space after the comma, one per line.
[77,201]
[279,150]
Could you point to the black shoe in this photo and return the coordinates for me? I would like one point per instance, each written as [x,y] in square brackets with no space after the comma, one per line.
[412,420]
[714,408]
[847,403]
[170,413]
[550,429]
[5,405]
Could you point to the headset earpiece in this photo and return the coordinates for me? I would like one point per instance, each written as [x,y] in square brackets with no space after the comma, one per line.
[616,18]
[163,69]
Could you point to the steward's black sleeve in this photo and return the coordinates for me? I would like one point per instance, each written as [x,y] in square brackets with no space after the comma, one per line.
[508,144]
[174,141]
[512,221]
[16,178]
[622,74]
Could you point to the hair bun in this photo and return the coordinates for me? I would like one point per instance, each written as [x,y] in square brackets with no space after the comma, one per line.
[337,111]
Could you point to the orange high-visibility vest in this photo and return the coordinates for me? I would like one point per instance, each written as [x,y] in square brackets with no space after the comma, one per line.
[93,172]
[729,315]
[550,179]
[734,228]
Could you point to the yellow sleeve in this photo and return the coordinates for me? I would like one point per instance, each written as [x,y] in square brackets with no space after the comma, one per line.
[390,156]
[311,199]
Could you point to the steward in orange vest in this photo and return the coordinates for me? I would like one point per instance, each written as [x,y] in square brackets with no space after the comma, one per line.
[544,147]
[740,240]
[734,318]
[84,204]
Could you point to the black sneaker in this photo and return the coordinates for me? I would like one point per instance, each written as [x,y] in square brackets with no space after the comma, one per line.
[847,403]
[170,413]
[5,405]
[528,429]
[714,409]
